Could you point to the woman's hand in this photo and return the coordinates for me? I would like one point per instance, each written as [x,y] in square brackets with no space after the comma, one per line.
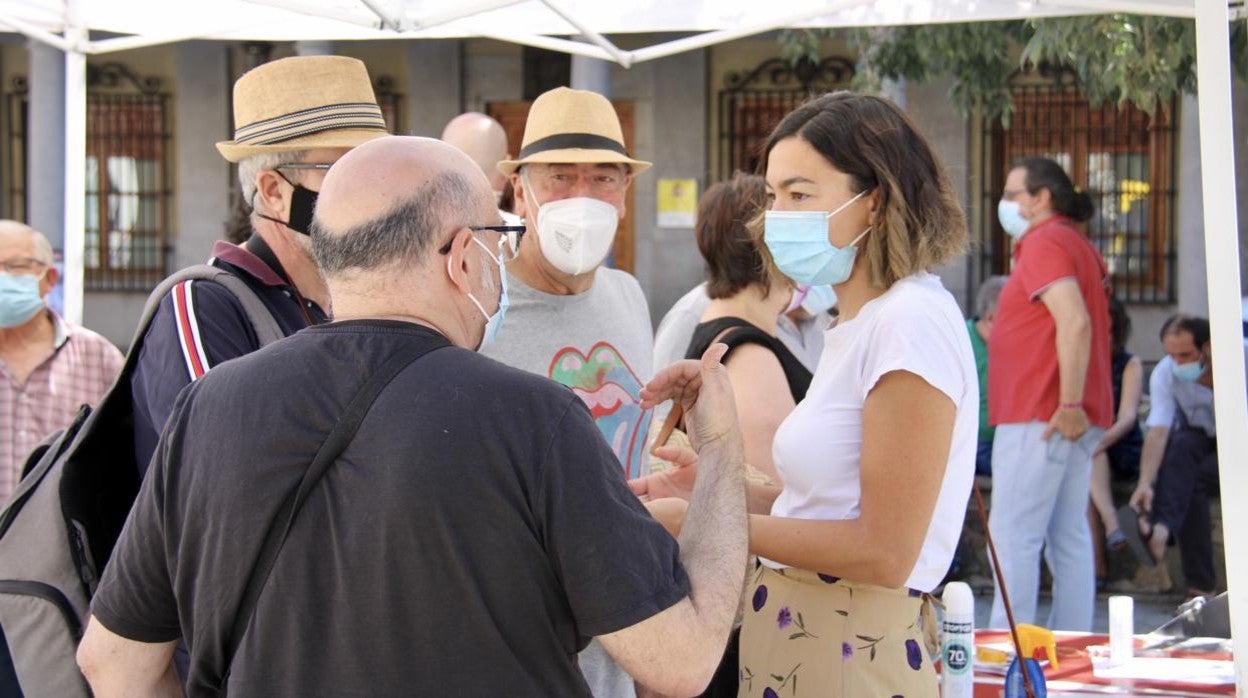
[675,482]
[703,391]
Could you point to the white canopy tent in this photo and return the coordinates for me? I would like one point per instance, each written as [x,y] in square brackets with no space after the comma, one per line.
[549,24]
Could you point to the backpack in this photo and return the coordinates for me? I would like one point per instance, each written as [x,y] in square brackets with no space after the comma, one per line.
[66,514]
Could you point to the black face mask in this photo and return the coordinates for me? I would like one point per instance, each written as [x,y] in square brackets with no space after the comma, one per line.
[302,205]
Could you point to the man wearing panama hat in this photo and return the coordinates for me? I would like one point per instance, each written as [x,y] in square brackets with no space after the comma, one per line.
[293,118]
[570,318]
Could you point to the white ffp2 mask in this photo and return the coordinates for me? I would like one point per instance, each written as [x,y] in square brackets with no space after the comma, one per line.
[576,234]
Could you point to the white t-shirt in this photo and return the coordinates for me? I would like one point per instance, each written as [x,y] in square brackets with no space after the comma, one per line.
[1167,395]
[915,326]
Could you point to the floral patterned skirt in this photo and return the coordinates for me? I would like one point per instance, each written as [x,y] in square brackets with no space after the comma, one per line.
[808,634]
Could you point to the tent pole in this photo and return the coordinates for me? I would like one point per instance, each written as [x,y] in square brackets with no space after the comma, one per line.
[30,31]
[1217,166]
[550,43]
[75,160]
[594,37]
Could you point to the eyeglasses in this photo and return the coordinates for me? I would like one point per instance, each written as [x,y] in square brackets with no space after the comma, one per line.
[304,166]
[562,181]
[23,265]
[1010,195]
[508,241]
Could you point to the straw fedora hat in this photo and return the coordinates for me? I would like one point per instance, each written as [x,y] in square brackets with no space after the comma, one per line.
[566,125]
[303,103]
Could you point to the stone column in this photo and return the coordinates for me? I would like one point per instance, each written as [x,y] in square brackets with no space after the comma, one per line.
[45,166]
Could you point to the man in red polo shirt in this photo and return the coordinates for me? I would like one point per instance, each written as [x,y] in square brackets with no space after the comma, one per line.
[1049,395]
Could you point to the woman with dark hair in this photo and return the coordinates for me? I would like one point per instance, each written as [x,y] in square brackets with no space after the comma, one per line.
[1118,454]
[747,298]
[877,460]
[1049,396]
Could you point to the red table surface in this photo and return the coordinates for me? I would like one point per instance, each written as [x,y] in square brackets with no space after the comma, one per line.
[1076,667]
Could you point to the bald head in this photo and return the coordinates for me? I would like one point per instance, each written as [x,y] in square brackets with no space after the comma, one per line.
[483,139]
[385,202]
[16,236]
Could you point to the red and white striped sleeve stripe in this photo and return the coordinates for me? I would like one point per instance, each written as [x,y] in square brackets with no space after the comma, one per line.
[188,331]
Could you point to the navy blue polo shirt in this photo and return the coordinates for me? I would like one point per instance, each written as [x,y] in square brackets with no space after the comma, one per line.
[199,325]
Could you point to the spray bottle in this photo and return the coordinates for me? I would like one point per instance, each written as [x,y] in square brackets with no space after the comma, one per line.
[957,642]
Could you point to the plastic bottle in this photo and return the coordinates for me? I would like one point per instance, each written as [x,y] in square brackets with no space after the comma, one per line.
[957,642]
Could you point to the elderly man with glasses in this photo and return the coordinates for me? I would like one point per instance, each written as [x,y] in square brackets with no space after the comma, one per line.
[572,319]
[293,119]
[49,367]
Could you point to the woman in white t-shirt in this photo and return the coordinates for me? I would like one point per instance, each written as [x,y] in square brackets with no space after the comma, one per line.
[877,460]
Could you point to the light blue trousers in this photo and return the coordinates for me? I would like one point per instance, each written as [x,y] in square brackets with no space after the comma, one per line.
[1040,502]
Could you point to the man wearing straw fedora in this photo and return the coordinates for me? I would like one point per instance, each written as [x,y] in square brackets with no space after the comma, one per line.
[293,118]
[570,318]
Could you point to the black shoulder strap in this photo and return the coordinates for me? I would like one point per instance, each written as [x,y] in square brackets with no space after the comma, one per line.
[330,449]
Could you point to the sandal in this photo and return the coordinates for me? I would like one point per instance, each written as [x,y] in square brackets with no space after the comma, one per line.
[1130,523]
[1116,540]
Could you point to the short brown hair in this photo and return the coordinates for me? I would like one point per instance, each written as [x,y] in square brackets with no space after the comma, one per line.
[731,252]
[920,224]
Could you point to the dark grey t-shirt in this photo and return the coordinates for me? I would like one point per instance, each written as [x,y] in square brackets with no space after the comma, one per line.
[474,536]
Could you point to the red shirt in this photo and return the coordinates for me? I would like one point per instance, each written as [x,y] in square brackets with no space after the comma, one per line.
[1023,381]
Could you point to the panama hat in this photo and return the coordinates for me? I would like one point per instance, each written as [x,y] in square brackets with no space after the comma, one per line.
[302,103]
[566,125]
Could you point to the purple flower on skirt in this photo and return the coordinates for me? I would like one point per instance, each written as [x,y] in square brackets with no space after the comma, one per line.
[828,579]
[847,651]
[784,619]
[914,655]
[760,597]
[769,693]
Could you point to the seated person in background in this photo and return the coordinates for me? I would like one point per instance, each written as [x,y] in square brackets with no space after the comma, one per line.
[980,327]
[1119,449]
[1179,463]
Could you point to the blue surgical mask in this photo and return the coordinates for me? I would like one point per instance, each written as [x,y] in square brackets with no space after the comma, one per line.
[1011,219]
[19,299]
[798,242]
[819,300]
[1187,372]
[493,323]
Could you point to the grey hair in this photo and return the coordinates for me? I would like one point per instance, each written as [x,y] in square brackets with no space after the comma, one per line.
[989,292]
[404,234]
[250,167]
[42,248]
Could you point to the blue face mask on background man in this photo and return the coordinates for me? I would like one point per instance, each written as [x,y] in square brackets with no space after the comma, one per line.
[1012,218]
[1188,372]
[798,242]
[20,299]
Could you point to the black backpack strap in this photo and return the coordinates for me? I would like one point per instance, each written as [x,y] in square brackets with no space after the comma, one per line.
[330,449]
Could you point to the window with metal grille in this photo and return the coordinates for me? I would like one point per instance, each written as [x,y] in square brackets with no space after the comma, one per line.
[126,241]
[126,218]
[1123,158]
[752,103]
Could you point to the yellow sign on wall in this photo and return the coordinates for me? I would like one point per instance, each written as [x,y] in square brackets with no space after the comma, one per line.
[678,203]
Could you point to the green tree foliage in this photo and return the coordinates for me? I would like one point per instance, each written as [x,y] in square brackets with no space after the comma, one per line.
[1118,58]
